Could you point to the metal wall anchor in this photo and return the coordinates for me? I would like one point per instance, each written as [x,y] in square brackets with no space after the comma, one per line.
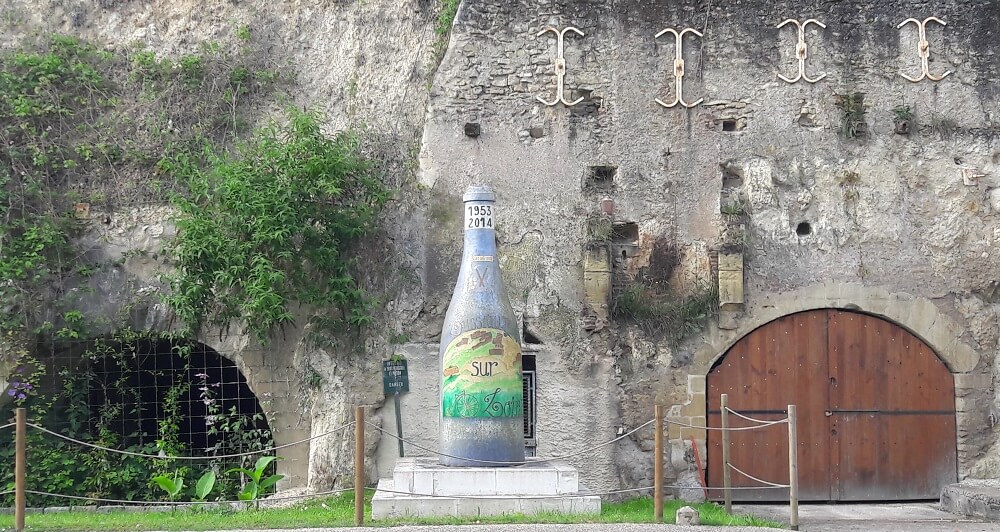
[802,50]
[560,66]
[679,68]
[923,48]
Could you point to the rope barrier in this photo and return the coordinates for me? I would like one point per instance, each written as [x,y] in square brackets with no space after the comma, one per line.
[729,429]
[751,477]
[156,456]
[563,457]
[754,420]
[194,504]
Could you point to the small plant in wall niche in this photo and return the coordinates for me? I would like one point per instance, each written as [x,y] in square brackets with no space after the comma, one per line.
[902,117]
[599,228]
[852,121]
[733,207]
[735,238]
[649,300]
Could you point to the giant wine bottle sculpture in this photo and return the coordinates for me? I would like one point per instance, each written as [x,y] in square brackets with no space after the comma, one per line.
[481,396]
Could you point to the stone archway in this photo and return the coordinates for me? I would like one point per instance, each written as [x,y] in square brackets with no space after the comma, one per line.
[918,315]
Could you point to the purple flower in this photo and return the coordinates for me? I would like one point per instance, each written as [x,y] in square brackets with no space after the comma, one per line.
[11,392]
[21,396]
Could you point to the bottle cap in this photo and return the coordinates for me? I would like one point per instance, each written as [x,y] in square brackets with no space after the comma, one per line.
[479,193]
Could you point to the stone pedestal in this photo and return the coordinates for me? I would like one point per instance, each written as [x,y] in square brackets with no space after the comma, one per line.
[420,487]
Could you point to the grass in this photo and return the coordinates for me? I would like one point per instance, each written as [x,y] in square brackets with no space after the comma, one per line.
[338,511]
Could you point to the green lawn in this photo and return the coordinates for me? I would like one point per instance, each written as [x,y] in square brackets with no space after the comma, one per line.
[338,511]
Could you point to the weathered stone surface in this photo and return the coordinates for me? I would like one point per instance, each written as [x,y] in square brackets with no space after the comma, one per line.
[687,516]
[896,231]
[976,499]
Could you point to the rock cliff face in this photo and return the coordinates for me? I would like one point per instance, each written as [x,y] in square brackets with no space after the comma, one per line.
[862,190]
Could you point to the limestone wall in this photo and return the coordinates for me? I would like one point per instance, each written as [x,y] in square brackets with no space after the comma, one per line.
[905,226]
[901,225]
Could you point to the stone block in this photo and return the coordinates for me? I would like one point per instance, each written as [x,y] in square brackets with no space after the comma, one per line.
[687,516]
[972,499]
[965,405]
[696,408]
[729,317]
[696,384]
[731,262]
[730,287]
[688,433]
[673,430]
[980,381]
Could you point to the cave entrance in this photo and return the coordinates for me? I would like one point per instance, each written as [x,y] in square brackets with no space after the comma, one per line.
[185,394]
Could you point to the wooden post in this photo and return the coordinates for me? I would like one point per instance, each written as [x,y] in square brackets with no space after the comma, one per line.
[727,493]
[359,466]
[20,434]
[658,465]
[793,469]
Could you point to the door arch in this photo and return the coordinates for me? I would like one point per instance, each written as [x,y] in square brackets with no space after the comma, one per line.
[876,409]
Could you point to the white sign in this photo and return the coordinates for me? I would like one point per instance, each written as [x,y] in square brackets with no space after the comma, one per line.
[479,217]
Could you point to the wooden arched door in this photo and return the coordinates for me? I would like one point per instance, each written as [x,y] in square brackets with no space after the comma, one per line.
[876,410]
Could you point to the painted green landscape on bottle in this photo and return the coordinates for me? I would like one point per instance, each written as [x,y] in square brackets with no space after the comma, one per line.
[482,376]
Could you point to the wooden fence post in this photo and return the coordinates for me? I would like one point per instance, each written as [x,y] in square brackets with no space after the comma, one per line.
[20,450]
[793,469]
[359,466]
[658,465]
[726,481]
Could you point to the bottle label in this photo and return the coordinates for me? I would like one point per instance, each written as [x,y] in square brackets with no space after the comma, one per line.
[479,217]
[482,376]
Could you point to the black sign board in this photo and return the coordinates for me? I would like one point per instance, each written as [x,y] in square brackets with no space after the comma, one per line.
[394,377]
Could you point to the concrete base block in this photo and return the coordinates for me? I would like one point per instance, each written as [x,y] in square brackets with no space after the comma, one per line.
[425,476]
[387,505]
[420,487]
[979,499]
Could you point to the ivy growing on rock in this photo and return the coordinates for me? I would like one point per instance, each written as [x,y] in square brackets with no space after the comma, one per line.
[271,226]
[83,130]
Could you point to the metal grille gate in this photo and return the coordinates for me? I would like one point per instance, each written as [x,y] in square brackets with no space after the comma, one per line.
[530,411]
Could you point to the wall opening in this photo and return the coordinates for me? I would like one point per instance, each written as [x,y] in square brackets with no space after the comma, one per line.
[732,176]
[625,233]
[600,178]
[138,388]
[803,229]
[528,336]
